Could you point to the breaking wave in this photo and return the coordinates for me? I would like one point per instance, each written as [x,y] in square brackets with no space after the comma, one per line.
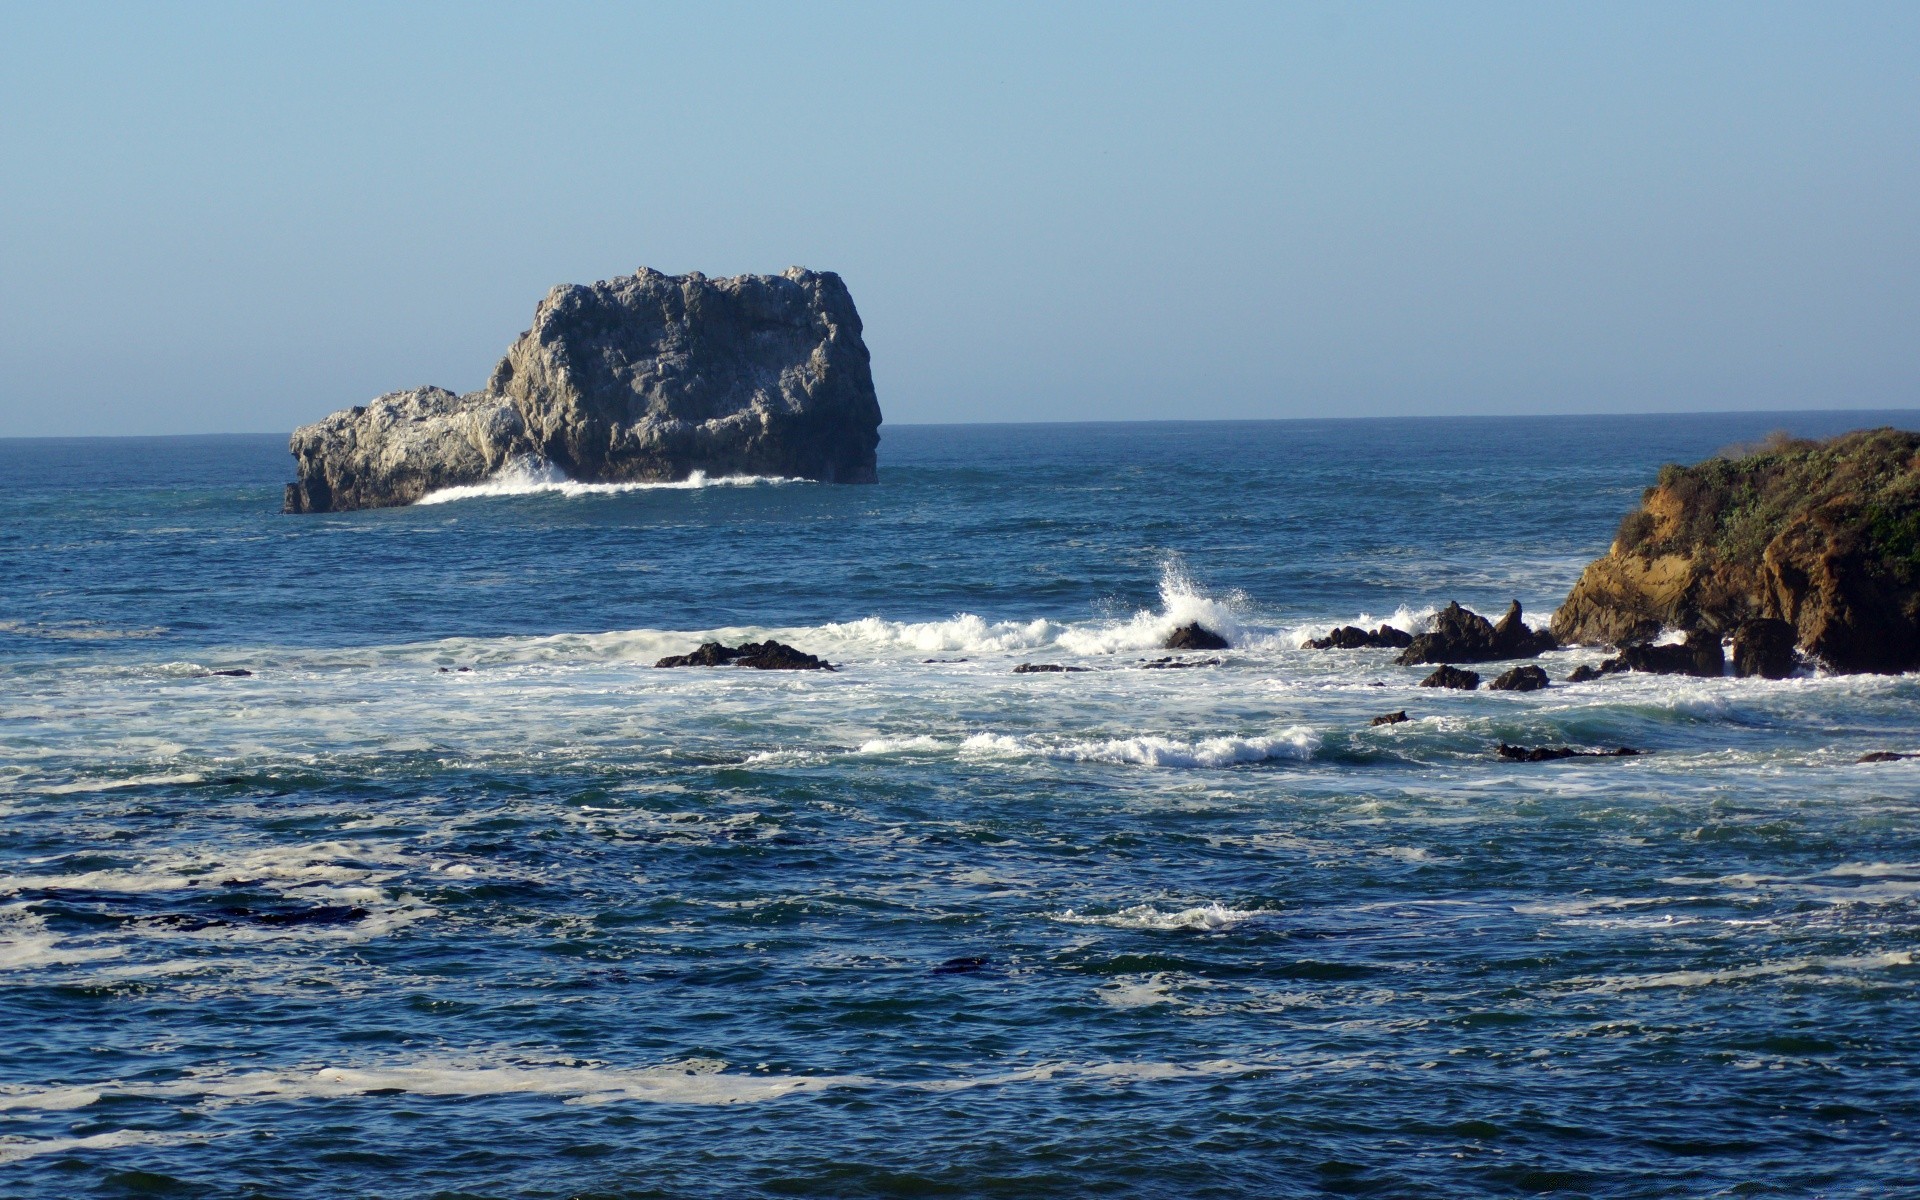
[529,477]
[1297,743]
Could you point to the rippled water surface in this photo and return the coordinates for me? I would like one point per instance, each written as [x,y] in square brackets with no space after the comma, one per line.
[456,895]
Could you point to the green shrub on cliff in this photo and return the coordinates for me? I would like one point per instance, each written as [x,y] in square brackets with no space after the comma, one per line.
[1728,509]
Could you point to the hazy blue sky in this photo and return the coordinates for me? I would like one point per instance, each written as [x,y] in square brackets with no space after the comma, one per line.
[240,217]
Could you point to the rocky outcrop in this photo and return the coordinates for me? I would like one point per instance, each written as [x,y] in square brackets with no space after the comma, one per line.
[1352,637]
[1520,679]
[1047,669]
[1462,635]
[1701,654]
[1452,677]
[1764,647]
[1823,536]
[646,377]
[1556,753]
[1393,718]
[1195,636]
[1587,672]
[761,656]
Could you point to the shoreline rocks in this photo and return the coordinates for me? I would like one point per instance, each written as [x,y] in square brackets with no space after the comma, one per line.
[1520,679]
[1823,537]
[1555,753]
[1462,635]
[1195,636]
[1352,637]
[761,656]
[647,377]
[1452,677]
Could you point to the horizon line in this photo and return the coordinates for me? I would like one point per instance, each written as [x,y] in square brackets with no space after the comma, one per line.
[1471,416]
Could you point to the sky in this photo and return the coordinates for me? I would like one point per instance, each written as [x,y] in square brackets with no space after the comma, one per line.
[238,218]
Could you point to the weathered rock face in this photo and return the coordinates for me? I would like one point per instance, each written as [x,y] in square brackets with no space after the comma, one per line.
[400,447]
[1764,647]
[1824,536]
[646,377]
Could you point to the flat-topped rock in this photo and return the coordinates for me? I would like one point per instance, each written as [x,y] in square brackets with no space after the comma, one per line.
[648,377]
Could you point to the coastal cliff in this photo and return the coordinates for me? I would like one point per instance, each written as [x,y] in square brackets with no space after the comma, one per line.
[645,377]
[1822,535]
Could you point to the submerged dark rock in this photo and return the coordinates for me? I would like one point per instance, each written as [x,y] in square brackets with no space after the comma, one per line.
[1554,753]
[1392,718]
[1352,637]
[1045,669]
[319,914]
[1877,756]
[1764,647]
[1195,636]
[963,966]
[644,377]
[1520,679]
[761,656]
[1587,671]
[1462,635]
[1452,677]
[235,673]
[1174,664]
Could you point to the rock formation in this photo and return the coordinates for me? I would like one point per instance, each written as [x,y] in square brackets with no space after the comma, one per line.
[1462,635]
[761,656]
[1195,636]
[1555,753]
[1452,677]
[1352,637]
[1520,679]
[1824,536]
[645,377]
[1764,647]
[1701,654]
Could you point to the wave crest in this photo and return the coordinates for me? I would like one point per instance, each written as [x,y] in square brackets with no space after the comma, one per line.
[530,477]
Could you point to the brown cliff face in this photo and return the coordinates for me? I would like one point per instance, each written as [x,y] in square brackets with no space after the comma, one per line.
[1822,535]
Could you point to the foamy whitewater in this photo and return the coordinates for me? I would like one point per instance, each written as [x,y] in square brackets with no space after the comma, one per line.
[455,894]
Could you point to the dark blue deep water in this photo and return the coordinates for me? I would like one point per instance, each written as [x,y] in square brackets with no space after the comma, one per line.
[456,895]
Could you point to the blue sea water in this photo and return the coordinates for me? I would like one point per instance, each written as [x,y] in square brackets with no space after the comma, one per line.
[456,895]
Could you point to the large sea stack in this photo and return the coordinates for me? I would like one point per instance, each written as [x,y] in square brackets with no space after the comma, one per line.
[1824,536]
[646,377]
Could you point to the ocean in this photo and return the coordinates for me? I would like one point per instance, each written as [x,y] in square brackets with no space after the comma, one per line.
[455,895]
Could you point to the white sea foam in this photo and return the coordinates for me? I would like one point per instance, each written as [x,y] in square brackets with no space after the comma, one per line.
[1296,743]
[16,1149]
[693,1081]
[1840,966]
[528,477]
[107,785]
[1204,917]
[899,745]
[963,633]
[25,942]
[1182,602]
